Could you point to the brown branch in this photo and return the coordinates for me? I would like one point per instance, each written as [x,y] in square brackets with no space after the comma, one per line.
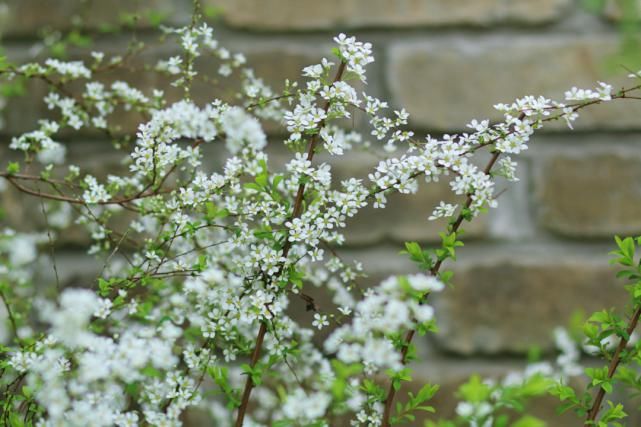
[614,363]
[12,319]
[391,392]
[51,243]
[298,202]
[261,103]
[389,400]
[62,198]
[249,384]
[298,208]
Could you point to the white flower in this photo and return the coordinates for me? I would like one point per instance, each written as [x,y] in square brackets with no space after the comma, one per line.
[355,54]
[306,407]
[51,153]
[242,129]
[423,313]
[95,192]
[464,409]
[23,250]
[74,69]
[443,210]
[97,56]
[320,321]
[69,322]
[345,311]
[349,353]
[104,308]
[422,282]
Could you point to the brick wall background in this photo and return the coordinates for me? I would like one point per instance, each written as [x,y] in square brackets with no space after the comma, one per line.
[529,264]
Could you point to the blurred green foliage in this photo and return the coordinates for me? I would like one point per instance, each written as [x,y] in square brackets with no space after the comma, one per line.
[629,24]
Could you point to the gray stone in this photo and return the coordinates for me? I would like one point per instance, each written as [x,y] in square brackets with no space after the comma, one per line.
[511,299]
[589,195]
[29,17]
[446,82]
[310,15]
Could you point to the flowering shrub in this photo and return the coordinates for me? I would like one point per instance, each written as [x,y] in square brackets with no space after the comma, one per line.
[199,269]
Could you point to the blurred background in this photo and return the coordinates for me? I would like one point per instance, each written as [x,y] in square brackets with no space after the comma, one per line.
[536,262]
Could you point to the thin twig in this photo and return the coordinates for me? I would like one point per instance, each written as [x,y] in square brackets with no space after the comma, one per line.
[51,243]
[391,392]
[249,384]
[12,319]
[298,207]
[614,363]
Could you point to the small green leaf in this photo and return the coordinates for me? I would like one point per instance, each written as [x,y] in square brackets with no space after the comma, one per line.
[13,168]
[528,421]
[475,390]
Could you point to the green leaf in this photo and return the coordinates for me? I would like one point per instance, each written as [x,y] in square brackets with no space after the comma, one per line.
[4,63]
[446,276]
[276,180]
[475,390]
[15,420]
[594,6]
[501,421]
[528,421]
[79,40]
[398,377]
[418,255]
[26,392]
[256,373]
[13,168]
[58,49]
[564,393]
[104,287]
[626,251]
[614,412]
[426,392]
[152,372]
[156,17]
[262,180]
[536,385]
[13,89]
[213,11]
[374,392]
[534,353]
[253,186]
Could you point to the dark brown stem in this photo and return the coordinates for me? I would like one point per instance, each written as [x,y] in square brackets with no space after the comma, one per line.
[614,363]
[298,202]
[62,198]
[12,320]
[298,208]
[249,384]
[391,392]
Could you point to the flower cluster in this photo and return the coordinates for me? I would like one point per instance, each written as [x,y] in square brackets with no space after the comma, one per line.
[205,258]
[486,399]
[395,305]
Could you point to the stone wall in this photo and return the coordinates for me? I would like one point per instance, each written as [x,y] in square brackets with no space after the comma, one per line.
[529,264]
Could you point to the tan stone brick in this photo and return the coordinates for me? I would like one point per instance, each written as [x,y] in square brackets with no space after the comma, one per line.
[447,82]
[313,15]
[511,300]
[589,195]
[274,62]
[28,17]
